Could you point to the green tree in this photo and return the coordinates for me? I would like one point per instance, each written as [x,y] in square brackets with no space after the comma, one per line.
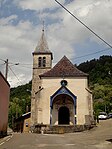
[20,102]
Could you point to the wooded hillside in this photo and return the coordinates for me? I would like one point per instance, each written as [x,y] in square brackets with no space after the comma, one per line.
[100,82]
[99,70]
[20,102]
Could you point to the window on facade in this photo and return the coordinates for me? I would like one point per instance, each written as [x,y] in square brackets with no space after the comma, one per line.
[39,62]
[64,83]
[44,61]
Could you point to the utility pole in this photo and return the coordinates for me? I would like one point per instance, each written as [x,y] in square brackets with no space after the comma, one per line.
[6,71]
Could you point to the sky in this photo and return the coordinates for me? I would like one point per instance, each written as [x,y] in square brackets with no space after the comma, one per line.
[21,28]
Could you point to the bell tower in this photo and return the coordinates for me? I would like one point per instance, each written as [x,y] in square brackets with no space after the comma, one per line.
[42,62]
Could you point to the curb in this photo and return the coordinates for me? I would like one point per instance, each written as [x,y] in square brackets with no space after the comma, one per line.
[5,139]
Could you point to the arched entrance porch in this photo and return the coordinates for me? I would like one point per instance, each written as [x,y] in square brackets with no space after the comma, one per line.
[63,107]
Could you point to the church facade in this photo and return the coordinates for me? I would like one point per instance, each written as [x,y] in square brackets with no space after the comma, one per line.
[60,95]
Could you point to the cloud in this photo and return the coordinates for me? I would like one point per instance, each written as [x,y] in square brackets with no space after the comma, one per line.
[8,20]
[16,80]
[37,5]
[89,11]
[17,44]
[62,31]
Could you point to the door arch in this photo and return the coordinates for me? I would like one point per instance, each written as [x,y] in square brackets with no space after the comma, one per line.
[63,116]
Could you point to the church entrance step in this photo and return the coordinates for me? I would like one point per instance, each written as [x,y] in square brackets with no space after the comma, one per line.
[60,129]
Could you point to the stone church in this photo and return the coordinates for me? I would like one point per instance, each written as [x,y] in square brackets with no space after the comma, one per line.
[60,95]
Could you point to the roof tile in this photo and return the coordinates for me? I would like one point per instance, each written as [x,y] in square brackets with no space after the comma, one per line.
[64,68]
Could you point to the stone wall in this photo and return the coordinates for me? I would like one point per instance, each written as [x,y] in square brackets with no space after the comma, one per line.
[60,129]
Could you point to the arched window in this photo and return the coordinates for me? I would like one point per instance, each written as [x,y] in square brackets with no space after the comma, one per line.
[39,61]
[44,61]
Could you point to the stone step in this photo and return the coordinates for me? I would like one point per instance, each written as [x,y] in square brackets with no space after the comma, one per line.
[60,129]
[67,129]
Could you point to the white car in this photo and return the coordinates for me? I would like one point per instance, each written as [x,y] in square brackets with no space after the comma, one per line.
[102,116]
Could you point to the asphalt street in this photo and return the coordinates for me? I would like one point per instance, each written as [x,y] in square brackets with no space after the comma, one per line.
[99,137]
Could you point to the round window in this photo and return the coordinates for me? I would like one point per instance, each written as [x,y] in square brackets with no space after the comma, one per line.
[64,83]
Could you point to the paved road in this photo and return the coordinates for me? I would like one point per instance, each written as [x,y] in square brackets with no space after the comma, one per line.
[93,139]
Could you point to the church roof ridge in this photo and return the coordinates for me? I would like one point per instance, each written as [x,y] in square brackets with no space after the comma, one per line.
[64,68]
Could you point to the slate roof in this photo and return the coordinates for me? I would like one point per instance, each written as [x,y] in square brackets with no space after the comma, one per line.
[42,47]
[64,68]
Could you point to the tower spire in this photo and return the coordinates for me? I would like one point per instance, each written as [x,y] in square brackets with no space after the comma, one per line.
[42,46]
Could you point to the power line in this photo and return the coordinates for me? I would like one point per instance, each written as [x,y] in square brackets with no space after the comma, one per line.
[26,67]
[2,60]
[84,24]
[24,64]
[92,53]
[2,64]
[16,64]
[20,63]
[15,75]
[8,67]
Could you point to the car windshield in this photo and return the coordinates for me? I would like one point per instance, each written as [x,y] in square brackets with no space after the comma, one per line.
[102,113]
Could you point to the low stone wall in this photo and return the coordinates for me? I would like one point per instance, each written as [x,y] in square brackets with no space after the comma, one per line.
[60,129]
